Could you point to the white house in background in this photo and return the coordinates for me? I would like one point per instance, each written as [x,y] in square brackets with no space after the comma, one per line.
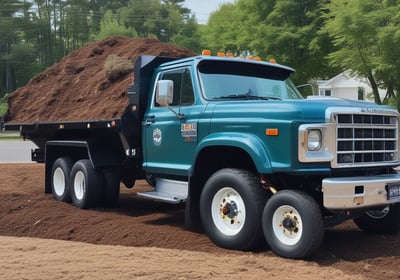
[347,85]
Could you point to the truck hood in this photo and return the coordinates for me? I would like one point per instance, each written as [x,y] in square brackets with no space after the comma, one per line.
[306,110]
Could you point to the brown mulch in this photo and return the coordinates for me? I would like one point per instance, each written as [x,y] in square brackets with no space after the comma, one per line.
[25,211]
[78,88]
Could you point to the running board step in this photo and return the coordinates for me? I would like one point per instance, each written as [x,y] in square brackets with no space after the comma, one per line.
[169,191]
[159,196]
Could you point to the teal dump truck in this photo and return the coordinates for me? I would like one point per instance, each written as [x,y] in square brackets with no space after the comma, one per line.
[235,141]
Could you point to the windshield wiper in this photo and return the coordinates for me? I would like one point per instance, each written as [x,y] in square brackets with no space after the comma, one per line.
[247,96]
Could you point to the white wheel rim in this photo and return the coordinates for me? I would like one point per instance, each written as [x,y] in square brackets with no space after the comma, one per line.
[79,185]
[287,225]
[228,211]
[59,181]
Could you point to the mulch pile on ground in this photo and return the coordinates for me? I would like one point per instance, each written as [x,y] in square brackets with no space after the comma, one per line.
[25,210]
[78,88]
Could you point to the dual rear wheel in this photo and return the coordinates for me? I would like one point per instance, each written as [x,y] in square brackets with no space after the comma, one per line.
[83,185]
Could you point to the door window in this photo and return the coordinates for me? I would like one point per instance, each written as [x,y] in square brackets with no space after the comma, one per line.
[183,87]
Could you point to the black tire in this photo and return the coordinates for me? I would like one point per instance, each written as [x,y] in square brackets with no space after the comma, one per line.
[382,221]
[86,185]
[111,186]
[60,179]
[293,224]
[231,205]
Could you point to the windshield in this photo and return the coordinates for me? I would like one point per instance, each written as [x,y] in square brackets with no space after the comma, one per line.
[261,83]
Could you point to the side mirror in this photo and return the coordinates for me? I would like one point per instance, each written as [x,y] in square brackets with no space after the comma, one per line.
[164,92]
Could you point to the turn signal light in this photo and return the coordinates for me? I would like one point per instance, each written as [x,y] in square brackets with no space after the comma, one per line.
[272,132]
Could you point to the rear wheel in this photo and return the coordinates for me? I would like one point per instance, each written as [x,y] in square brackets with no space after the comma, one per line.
[381,221]
[230,208]
[60,179]
[86,184]
[292,224]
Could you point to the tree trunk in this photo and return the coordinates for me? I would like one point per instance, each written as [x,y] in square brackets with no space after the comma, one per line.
[375,90]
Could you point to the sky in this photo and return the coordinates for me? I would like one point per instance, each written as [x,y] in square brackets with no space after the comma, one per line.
[203,8]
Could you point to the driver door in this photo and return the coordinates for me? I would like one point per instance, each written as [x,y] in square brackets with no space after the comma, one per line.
[171,131]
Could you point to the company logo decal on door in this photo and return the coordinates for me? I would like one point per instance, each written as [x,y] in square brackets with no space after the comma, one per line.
[157,137]
[189,132]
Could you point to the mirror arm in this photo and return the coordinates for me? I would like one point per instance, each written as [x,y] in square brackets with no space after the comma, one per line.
[178,115]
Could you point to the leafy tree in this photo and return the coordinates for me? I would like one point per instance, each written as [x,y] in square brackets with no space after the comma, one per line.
[189,35]
[110,26]
[290,34]
[286,30]
[77,24]
[365,33]
[98,10]
[11,18]
[23,58]
[222,33]
[144,16]
[154,18]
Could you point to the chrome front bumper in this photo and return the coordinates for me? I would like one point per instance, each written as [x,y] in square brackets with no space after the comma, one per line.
[358,192]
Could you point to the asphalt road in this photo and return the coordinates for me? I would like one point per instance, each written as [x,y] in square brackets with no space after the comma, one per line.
[15,151]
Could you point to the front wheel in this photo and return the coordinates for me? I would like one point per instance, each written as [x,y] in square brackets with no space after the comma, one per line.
[86,184]
[230,208]
[292,224]
[381,221]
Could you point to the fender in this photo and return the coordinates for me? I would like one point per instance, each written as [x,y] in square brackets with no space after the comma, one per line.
[98,152]
[101,154]
[247,142]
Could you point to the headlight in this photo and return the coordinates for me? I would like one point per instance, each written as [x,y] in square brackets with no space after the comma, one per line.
[314,140]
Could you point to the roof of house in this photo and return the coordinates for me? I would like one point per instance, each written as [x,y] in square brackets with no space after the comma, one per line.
[343,80]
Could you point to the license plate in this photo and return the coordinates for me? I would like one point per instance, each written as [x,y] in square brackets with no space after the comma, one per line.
[393,191]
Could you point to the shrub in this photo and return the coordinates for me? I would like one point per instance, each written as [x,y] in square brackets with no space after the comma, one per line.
[3,108]
[117,67]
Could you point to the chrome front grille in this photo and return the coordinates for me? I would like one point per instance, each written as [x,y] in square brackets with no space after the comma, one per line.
[365,139]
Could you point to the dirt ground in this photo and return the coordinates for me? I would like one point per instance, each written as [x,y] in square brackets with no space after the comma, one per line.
[41,238]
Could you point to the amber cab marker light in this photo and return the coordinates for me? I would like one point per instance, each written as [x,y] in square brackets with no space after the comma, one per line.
[206,52]
[272,60]
[272,132]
